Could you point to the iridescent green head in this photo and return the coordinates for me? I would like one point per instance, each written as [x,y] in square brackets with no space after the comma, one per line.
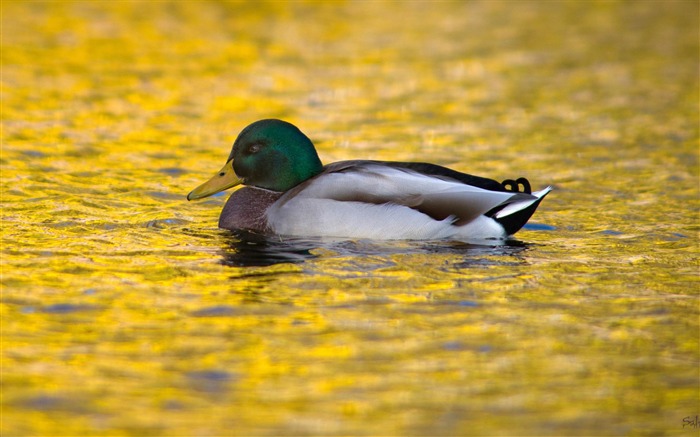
[271,154]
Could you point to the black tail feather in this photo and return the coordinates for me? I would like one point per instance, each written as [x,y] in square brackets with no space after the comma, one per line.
[513,222]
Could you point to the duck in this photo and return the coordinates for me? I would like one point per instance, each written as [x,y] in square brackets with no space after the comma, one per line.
[287,191]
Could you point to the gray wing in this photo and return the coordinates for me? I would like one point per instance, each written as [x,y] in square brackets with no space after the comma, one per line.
[375,182]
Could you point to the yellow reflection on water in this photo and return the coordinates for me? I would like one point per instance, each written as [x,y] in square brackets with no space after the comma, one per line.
[125,311]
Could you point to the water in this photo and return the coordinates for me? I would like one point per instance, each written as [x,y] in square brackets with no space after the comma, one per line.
[126,312]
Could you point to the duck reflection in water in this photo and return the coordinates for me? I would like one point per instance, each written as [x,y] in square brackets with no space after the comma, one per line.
[249,249]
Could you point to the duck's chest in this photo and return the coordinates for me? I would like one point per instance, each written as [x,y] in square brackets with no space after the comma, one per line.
[246,209]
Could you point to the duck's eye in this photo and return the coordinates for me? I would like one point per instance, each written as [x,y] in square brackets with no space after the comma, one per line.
[255,148]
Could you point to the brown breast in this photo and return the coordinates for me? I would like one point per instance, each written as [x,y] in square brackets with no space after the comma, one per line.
[246,208]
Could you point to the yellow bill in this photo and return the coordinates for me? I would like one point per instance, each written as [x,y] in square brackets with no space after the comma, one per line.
[224,179]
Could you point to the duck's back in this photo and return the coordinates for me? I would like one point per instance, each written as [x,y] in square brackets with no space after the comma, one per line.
[371,199]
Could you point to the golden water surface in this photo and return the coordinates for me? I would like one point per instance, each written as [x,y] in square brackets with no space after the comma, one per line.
[125,311]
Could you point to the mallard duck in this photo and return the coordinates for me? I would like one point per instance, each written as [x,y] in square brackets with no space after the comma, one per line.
[287,191]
